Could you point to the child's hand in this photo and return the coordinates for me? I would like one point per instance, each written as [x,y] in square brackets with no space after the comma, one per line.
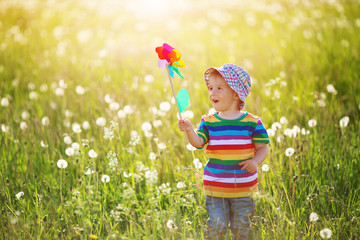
[249,165]
[184,125]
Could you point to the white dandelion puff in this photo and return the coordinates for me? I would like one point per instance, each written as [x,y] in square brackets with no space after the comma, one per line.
[190,147]
[271,132]
[67,140]
[33,95]
[152,156]
[289,152]
[312,123]
[62,163]
[344,121]
[146,126]
[265,167]
[76,128]
[69,151]
[162,146]
[89,171]
[42,144]
[19,195]
[101,121]
[326,233]
[331,89]
[4,128]
[121,114]
[45,121]
[165,106]
[105,178]
[92,154]
[275,126]
[86,125]
[23,125]
[313,217]
[75,146]
[188,114]
[129,109]
[197,163]
[80,90]
[157,123]
[114,106]
[180,185]
[171,225]
[126,175]
[59,91]
[25,115]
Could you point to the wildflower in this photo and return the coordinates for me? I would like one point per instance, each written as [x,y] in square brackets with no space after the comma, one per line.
[53,105]
[67,140]
[312,123]
[23,125]
[101,121]
[151,176]
[75,146]
[157,123]
[62,163]
[313,217]
[265,167]
[275,126]
[321,103]
[171,225]
[76,128]
[271,132]
[289,152]
[326,233]
[180,185]
[108,133]
[331,89]
[190,147]
[344,122]
[121,114]
[45,121]
[19,195]
[80,90]
[197,163]
[126,175]
[304,131]
[146,126]
[33,95]
[43,87]
[69,151]
[165,106]
[25,115]
[86,125]
[92,236]
[162,146]
[114,106]
[42,144]
[280,138]
[92,154]
[165,188]
[128,109]
[4,128]
[188,114]
[105,178]
[152,156]
[59,92]
[89,171]
[149,78]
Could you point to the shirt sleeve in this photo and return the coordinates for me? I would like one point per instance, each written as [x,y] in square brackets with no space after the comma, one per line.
[260,134]
[202,131]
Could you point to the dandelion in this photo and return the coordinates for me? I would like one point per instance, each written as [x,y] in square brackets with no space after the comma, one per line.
[108,133]
[62,163]
[126,175]
[180,185]
[59,92]
[42,144]
[149,78]
[19,195]
[86,125]
[321,103]
[69,151]
[67,140]
[344,121]
[313,217]
[325,233]
[152,156]
[171,225]
[151,176]
[146,126]
[312,123]
[101,121]
[92,154]
[105,178]
[108,99]
[45,121]
[33,95]
[265,167]
[128,109]
[121,114]
[188,114]
[76,128]
[190,147]
[162,146]
[4,128]
[275,126]
[89,171]
[157,123]
[114,106]
[75,146]
[197,163]
[80,90]
[279,138]
[289,132]
[4,102]
[289,152]
[43,87]
[331,89]
[92,236]
[165,106]
[305,132]
[53,105]
[23,125]
[271,132]
[25,115]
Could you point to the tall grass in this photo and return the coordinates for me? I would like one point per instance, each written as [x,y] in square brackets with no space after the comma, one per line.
[294,52]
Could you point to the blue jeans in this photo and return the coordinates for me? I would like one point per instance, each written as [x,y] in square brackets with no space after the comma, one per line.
[233,212]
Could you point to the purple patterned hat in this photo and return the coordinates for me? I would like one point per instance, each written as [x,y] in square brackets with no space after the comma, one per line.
[237,78]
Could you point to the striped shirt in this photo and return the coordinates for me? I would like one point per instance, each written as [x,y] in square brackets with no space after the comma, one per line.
[230,142]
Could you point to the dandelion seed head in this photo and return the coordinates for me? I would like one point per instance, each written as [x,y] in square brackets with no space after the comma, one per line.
[126,175]
[86,125]
[331,89]
[289,152]
[33,95]
[312,123]
[59,91]
[19,195]
[283,120]
[5,102]
[4,128]
[162,146]
[265,167]
[271,132]
[25,115]
[197,163]
[43,87]
[326,233]
[313,217]
[190,147]
[157,123]
[67,140]
[152,156]
[42,144]
[62,163]
[129,109]
[105,178]
[275,126]
[149,78]
[188,114]
[101,122]
[180,185]
[76,128]
[80,90]
[114,106]
[45,121]
[89,171]
[69,151]
[344,121]
[23,125]
[171,225]
[146,126]
[165,106]
[92,153]
[121,114]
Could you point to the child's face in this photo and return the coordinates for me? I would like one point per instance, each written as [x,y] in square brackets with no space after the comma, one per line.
[222,96]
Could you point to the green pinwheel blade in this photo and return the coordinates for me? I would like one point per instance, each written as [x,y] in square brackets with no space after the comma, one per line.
[176,69]
[183,99]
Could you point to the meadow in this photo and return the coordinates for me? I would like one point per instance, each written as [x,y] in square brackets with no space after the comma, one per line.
[89,143]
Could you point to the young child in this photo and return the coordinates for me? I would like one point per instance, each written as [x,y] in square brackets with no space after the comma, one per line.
[236,146]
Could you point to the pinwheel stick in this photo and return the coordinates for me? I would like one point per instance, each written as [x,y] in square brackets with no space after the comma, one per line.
[172,87]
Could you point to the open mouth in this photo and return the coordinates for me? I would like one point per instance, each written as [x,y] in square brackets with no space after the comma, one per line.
[215,101]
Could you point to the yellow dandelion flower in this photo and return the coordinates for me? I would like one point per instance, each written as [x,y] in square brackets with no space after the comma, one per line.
[92,236]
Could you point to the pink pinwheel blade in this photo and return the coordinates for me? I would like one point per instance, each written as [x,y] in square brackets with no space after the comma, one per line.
[162,63]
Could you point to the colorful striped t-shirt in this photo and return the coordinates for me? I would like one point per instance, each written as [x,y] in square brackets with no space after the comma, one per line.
[230,142]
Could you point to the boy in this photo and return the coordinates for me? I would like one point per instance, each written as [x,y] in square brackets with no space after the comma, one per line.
[236,146]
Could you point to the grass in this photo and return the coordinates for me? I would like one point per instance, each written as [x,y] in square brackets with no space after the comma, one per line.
[293,51]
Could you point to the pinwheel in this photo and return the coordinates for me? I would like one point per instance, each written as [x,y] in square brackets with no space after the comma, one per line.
[169,58]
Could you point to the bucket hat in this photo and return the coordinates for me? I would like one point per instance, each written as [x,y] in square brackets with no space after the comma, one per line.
[237,78]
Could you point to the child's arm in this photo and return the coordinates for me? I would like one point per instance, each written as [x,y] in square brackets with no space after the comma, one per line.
[193,138]
[260,155]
